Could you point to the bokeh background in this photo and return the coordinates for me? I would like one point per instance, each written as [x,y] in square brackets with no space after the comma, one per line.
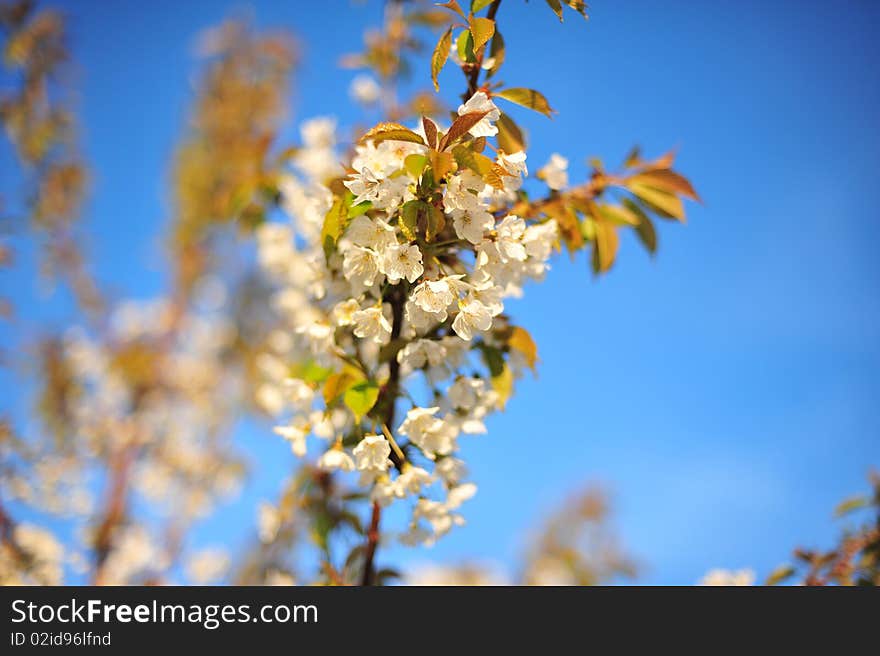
[725,392]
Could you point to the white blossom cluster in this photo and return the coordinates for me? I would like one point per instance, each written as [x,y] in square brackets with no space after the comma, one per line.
[147,395]
[339,314]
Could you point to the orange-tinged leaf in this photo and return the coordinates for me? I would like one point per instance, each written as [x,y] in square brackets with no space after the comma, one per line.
[527,98]
[510,137]
[667,180]
[486,168]
[452,5]
[335,386]
[441,163]
[479,5]
[392,132]
[616,215]
[605,244]
[520,340]
[662,202]
[441,54]
[556,6]
[482,30]
[430,131]
[502,384]
[460,127]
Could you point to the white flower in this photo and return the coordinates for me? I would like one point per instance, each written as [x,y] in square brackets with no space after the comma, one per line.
[319,132]
[539,239]
[470,224]
[465,393]
[462,191]
[459,494]
[402,261]
[433,296]
[438,515]
[375,234]
[343,312]
[364,185]
[384,159]
[418,353]
[372,324]
[723,577]
[360,266]
[555,172]
[509,238]
[412,480]
[268,521]
[207,566]
[384,193]
[334,459]
[299,393]
[371,454]
[295,433]
[451,470]
[480,102]
[432,435]
[385,491]
[472,317]
[319,336]
[515,163]
[364,89]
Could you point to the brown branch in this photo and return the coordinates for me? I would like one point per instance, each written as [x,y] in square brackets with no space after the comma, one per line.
[387,400]
[472,70]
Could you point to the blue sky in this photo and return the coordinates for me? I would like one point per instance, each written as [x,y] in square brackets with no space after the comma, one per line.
[726,391]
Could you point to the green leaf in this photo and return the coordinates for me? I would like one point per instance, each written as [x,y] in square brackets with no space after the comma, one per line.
[415,164]
[360,208]
[482,30]
[441,54]
[645,229]
[527,98]
[361,397]
[413,214]
[311,372]
[465,46]
[389,131]
[663,203]
[479,5]
[510,137]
